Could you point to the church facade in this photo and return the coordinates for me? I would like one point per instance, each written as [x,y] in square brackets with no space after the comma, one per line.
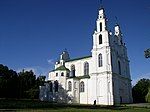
[102,78]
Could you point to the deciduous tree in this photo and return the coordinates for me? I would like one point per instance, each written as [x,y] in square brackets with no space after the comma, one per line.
[140,90]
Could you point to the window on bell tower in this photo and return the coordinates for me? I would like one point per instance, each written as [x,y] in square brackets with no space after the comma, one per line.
[100,60]
[86,68]
[119,67]
[100,39]
[100,26]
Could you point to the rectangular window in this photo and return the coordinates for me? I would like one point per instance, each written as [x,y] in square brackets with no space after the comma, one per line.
[100,60]
[100,39]
[100,26]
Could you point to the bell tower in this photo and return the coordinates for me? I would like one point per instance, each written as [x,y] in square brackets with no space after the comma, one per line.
[101,35]
[118,34]
[101,43]
[101,21]
[101,62]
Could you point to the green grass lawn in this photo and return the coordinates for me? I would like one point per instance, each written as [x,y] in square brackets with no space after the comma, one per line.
[80,110]
[38,106]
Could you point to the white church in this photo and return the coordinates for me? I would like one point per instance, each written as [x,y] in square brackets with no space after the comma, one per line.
[102,78]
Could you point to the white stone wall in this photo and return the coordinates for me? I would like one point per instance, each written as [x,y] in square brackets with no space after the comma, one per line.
[84,95]
[100,89]
[79,66]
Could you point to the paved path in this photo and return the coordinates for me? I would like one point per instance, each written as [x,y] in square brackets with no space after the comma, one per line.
[139,105]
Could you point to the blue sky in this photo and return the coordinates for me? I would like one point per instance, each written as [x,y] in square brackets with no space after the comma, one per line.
[34,32]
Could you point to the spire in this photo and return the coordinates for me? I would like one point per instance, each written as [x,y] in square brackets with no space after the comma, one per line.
[118,34]
[101,21]
[101,11]
[117,30]
[64,55]
[65,49]
[116,19]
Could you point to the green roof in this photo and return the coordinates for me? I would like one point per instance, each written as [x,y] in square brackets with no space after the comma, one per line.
[79,58]
[62,68]
[81,77]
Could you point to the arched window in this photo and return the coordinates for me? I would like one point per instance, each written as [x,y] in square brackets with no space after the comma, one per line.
[75,85]
[86,68]
[62,74]
[100,39]
[69,86]
[56,86]
[56,74]
[119,67]
[72,70]
[50,86]
[100,26]
[82,86]
[100,60]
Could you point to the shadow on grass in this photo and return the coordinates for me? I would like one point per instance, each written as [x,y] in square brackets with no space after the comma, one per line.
[12,104]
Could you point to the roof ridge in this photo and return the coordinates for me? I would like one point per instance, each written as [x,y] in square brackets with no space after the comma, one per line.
[79,58]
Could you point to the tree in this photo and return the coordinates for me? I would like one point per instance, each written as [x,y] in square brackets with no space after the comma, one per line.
[21,85]
[140,90]
[8,82]
[27,81]
[147,53]
[33,93]
[40,81]
[29,85]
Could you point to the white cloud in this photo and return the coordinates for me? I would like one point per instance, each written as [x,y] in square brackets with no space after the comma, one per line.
[50,61]
[147,76]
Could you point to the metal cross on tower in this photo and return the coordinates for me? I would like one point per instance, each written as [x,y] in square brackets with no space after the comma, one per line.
[101,3]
